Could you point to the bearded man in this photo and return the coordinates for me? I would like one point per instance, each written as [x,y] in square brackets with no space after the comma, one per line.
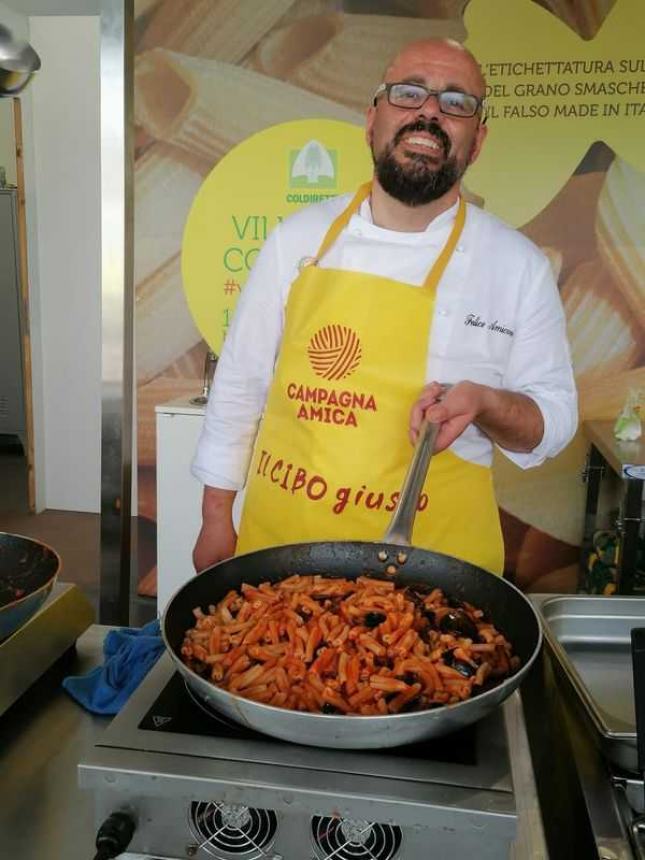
[366,314]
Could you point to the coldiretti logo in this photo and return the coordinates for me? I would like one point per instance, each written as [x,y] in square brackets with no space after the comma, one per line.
[334,352]
[313,166]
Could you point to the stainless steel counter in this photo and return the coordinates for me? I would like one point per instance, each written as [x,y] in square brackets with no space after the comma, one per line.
[43,813]
[45,816]
[581,808]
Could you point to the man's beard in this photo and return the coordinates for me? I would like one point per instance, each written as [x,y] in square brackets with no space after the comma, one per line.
[417,181]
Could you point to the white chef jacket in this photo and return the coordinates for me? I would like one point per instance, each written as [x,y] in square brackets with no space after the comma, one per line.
[498,321]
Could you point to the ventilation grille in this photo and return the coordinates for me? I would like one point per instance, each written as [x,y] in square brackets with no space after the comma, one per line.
[354,839]
[4,406]
[232,832]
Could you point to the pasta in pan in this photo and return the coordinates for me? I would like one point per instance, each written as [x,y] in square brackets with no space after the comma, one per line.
[340,646]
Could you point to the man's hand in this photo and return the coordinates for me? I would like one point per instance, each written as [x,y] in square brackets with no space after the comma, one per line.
[217,538]
[510,419]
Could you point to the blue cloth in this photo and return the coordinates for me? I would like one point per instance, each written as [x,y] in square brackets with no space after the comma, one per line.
[129,653]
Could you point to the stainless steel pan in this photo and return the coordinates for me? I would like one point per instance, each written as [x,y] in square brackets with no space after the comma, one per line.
[509,610]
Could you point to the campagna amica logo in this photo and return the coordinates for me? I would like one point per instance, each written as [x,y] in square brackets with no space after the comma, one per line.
[334,352]
[313,166]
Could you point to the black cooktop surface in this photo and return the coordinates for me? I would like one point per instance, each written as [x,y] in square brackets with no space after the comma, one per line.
[177,711]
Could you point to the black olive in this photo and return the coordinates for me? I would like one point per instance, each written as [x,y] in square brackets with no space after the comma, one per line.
[426,635]
[453,603]
[373,619]
[456,621]
[410,678]
[327,708]
[448,657]
[412,705]
[431,617]
[464,668]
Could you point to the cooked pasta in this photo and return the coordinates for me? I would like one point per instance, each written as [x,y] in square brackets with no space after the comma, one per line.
[341,646]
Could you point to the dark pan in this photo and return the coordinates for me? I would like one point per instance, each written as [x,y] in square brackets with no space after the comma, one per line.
[508,608]
[28,570]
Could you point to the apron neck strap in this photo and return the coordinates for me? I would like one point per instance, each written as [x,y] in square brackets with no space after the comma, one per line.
[434,275]
[343,220]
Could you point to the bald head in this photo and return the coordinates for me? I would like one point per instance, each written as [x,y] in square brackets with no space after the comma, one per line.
[425,135]
[445,56]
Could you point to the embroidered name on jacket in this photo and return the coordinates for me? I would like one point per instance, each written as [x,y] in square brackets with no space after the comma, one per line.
[477,322]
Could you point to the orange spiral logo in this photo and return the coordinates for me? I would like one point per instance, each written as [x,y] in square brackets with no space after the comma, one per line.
[334,352]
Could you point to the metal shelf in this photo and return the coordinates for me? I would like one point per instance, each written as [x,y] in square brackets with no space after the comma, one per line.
[627,461]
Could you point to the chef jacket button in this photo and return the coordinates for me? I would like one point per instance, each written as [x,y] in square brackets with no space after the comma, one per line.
[460,248]
[442,312]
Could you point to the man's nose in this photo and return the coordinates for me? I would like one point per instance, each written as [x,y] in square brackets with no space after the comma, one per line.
[430,108]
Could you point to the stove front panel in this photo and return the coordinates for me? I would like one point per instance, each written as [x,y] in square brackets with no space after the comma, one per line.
[182,828]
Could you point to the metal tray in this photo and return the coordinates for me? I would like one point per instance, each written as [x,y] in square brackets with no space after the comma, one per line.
[590,640]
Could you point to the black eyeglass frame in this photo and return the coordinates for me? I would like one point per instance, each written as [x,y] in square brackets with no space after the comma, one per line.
[387,88]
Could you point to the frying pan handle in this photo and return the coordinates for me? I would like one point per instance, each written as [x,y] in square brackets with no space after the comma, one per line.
[638,667]
[400,529]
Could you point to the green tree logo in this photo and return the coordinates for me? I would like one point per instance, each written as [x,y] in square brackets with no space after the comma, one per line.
[313,166]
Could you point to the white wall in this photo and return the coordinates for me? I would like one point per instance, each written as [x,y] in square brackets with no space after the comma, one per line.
[16,21]
[65,97]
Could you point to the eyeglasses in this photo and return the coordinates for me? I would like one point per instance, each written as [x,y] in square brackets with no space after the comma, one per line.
[414,96]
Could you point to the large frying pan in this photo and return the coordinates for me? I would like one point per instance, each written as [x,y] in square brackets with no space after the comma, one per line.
[509,610]
[28,570]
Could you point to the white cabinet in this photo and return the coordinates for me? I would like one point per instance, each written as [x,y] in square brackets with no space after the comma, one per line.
[179,495]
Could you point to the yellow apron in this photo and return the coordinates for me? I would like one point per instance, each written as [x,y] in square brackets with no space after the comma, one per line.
[333,448]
